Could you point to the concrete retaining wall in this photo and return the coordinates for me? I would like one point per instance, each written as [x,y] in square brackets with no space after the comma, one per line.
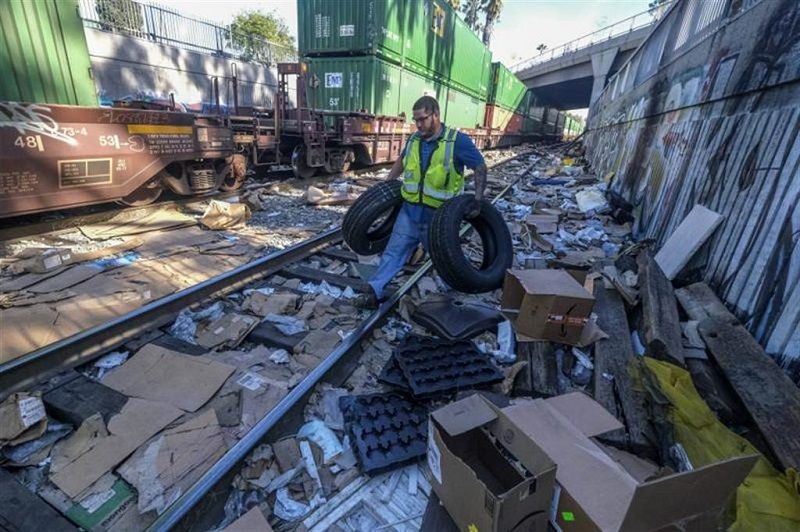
[706,112]
[128,66]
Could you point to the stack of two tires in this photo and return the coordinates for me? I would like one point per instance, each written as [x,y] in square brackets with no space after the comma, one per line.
[368,224]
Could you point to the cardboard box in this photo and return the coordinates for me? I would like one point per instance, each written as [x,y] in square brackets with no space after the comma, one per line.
[546,305]
[601,489]
[486,472]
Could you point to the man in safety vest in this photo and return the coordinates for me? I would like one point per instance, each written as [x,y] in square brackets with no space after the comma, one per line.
[432,165]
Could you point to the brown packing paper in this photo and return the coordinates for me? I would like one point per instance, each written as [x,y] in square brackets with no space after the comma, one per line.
[22,418]
[159,374]
[224,215]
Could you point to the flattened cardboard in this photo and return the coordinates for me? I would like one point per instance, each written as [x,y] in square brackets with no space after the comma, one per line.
[684,242]
[252,521]
[159,374]
[227,331]
[599,493]
[544,223]
[480,486]
[585,413]
[170,463]
[89,453]
[546,305]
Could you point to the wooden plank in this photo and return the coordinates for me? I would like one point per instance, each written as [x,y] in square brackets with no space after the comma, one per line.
[660,321]
[20,509]
[341,254]
[684,242]
[768,394]
[541,360]
[716,392]
[700,302]
[613,387]
[306,274]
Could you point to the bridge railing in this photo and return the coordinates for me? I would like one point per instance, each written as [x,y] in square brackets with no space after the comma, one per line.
[624,26]
[164,25]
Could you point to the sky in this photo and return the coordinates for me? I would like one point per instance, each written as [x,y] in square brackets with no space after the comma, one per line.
[523,24]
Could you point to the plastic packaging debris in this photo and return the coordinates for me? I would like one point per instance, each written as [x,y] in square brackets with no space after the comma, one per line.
[18,454]
[591,199]
[185,325]
[562,381]
[520,212]
[581,373]
[267,291]
[679,456]
[322,288]
[280,356]
[610,249]
[286,324]
[109,362]
[573,171]
[126,259]
[349,293]
[316,431]
[287,508]
[395,329]
[284,479]
[638,346]
[587,235]
[505,337]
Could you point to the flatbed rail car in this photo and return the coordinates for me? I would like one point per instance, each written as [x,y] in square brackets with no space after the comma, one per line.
[62,156]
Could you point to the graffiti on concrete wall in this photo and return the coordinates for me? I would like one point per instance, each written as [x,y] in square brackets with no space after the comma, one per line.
[718,125]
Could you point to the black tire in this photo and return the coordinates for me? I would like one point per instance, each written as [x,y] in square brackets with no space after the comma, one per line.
[358,227]
[448,257]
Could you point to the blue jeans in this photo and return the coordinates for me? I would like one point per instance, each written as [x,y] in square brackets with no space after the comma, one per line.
[410,228]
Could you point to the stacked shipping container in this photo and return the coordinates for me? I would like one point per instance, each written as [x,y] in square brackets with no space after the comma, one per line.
[381,55]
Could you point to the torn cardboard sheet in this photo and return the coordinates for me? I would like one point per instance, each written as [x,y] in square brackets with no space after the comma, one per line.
[159,374]
[94,449]
[227,331]
[164,467]
[224,215]
[122,225]
[53,258]
[690,235]
[252,521]
[22,418]
[544,223]
[263,304]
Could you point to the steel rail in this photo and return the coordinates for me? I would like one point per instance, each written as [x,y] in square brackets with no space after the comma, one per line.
[181,507]
[68,352]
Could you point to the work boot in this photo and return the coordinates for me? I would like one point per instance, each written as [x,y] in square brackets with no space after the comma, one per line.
[367,300]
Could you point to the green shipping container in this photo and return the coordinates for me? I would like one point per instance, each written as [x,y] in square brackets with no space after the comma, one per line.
[507,90]
[328,27]
[43,53]
[424,36]
[354,83]
[462,110]
[531,126]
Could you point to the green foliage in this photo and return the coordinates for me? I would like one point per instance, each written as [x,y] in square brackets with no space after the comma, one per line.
[253,31]
[471,10]
[492,8]
[119,15]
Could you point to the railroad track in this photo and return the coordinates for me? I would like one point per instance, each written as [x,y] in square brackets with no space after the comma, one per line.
[42,223]
[30,370]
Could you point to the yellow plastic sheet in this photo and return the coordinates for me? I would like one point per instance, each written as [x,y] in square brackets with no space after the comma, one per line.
[767,500]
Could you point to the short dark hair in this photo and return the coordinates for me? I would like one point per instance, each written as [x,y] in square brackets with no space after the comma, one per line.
[426,103]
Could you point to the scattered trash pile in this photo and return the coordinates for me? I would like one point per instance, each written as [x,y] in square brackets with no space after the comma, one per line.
[586,393]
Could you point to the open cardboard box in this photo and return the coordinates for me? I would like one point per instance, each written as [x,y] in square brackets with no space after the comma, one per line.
[546,305]
[605,489]
[488,474]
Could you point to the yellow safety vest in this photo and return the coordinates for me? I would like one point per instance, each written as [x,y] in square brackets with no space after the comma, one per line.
[441,181]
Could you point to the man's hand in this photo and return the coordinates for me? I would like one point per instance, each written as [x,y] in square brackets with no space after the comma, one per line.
[474,209]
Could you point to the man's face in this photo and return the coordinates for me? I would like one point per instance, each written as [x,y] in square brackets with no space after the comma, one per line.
[427,122]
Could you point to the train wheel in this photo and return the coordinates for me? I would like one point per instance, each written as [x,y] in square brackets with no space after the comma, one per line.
[144,195]
[300,165]
[235,173]
[339,163]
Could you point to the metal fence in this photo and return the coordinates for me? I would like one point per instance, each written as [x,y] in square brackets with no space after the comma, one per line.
[163,25]
[628,25]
